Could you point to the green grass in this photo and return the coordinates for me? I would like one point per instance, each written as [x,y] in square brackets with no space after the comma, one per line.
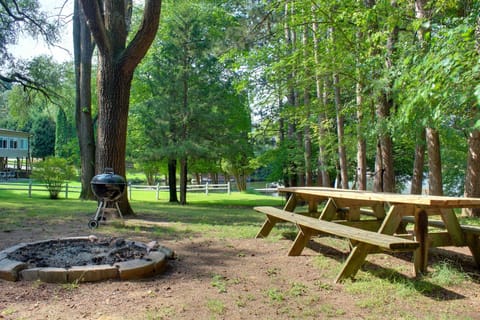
[215,215]
[223,216]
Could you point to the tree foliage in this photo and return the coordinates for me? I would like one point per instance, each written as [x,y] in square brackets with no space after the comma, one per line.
[54,172]
[185,90]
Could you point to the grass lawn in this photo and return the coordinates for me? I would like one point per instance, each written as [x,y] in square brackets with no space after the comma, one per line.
[289,290]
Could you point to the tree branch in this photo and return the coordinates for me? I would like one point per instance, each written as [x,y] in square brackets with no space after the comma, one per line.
[27,83]
[145,35]
[93,13]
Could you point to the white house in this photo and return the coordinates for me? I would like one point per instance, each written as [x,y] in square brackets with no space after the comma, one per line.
[15,152]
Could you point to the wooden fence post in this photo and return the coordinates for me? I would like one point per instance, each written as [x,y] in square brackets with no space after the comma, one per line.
[66,190]
[129,187]
[30,188]
[158,191]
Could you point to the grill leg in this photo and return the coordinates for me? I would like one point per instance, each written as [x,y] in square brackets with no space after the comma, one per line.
[118,209]
[99,209]
[92,224]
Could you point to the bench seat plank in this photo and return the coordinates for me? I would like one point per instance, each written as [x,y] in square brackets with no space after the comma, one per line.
[388,242]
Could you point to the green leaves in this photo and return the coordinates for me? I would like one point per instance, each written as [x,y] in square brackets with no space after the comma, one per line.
[53,172]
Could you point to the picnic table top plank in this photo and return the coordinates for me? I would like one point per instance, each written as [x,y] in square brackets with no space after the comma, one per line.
[392,198]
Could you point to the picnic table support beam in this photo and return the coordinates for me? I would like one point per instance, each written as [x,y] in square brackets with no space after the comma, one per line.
[453,226]
[354,261]
[291,203]
[329,211]
[304,235]
[393,219]
[267,227]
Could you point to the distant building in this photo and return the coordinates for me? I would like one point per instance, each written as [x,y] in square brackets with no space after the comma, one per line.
[15,152]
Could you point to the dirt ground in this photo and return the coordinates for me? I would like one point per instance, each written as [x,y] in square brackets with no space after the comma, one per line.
[229,279]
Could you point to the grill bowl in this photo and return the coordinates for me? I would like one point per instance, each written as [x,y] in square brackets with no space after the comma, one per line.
[108,186]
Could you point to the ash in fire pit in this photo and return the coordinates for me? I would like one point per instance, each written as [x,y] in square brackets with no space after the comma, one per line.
[83,259]
[78,252]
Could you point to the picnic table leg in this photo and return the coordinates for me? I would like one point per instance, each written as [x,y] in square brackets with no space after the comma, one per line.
[420,257]
[354,261]
[301,241]
[267,227]
[473,243]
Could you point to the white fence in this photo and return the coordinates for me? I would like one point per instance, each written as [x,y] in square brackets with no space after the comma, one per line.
[191,187]
[67,189]
[29,187]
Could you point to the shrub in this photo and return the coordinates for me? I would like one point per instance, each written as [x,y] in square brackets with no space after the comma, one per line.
[53,172]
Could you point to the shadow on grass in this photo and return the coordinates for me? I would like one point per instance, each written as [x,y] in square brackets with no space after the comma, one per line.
[421,284]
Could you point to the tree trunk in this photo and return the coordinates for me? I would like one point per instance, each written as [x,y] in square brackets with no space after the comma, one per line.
[472,177]
[307,137]
[292,134]
[384,106]
[323,177]
[183,181]
[434,163]
[378,178]
[419,163]
[361,142]
[342,151]
[172,180]
[108,24]
[113,97]
[326,180]
[83,51]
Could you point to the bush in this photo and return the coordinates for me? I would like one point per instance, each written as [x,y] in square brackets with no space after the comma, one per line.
[53,172]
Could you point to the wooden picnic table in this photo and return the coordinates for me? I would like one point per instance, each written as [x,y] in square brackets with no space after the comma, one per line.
[387,214]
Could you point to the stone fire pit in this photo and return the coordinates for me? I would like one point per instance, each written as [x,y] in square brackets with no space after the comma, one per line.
[83,259]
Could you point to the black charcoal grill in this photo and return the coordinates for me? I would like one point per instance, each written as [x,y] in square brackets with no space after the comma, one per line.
[108,187]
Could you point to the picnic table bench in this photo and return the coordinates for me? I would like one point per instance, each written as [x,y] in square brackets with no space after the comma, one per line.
[343,216]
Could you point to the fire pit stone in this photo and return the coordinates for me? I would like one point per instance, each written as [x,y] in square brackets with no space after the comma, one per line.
[132,260]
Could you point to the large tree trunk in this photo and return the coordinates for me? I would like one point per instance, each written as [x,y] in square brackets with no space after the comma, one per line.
[113,97]
[108,24]
[434,163]
[83,51]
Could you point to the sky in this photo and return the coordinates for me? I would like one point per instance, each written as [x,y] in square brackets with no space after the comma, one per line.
[28,47]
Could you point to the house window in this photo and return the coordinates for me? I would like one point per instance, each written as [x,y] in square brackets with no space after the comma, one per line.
[3,143]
